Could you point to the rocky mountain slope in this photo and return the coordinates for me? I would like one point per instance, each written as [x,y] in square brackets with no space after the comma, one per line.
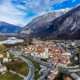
[42,23]
[68,25]
[63,24]
[6,28]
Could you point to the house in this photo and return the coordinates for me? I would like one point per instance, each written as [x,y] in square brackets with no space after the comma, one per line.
[52,74]
[49,79]
[75,57]
[3,69]
[5,60]
[67,53]
[1,55]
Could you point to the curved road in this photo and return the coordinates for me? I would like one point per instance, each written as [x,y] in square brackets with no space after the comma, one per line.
[31,66]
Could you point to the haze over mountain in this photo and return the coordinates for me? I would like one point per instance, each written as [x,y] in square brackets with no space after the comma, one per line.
[59,24]
[6,28]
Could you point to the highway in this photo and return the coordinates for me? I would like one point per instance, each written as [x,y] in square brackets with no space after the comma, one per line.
[47,64]
[31,66]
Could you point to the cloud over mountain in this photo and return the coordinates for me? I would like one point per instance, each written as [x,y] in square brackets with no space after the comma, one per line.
[22,11]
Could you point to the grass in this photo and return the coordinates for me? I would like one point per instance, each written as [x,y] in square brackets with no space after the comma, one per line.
[37,68]
[2,47]
[72,62]
[11,55]
[10,76]
[4,54]
[18,66]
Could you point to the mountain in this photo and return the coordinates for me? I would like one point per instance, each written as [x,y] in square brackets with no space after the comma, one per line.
[42,23]
[6,28]
[68,25]
[62,24]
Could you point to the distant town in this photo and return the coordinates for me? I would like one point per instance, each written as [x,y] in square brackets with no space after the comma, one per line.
[38,59]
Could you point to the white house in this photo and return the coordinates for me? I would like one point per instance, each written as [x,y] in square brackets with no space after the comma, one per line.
[5,60]
[3,69]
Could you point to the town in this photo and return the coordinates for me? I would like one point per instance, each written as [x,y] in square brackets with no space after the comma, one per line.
[53,58]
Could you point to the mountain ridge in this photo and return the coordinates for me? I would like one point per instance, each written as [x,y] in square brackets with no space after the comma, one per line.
[42,21]
[64,25]
[6,28]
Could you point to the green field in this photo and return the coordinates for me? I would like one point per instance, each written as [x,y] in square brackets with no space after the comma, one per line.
[18,66]
[2,47]
[11,55]
[10,76]
[4,54]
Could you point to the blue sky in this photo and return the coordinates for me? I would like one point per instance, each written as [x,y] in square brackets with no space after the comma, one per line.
[23,11]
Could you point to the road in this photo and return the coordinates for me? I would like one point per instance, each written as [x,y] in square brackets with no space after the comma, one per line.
[18,74]
[31,66]
[44,76]
[47,64]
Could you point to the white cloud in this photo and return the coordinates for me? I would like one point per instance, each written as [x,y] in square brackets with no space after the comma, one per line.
[37,6]
[16,12]
[10,14]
